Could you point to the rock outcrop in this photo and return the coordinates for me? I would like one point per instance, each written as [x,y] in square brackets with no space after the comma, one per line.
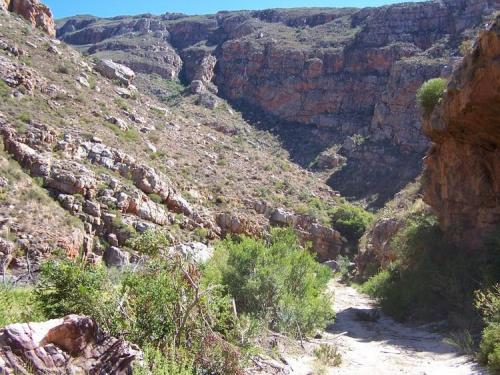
[38,14]
[344,72]
[95,198]
[74,344]
[462,174]
[112,70]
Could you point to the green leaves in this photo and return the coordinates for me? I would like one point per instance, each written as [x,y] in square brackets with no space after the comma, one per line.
[431,93]
[351,221]
[274,280]
[150,242]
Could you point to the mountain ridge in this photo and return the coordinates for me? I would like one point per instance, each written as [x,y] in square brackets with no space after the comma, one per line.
[345,72]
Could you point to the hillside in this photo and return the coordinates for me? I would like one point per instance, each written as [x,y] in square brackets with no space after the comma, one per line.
[282,191]
[350,75]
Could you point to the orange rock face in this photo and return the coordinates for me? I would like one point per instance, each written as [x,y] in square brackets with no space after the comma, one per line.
[38,14]
[462,177]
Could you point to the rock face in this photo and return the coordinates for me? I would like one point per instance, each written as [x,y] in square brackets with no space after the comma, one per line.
[74,344]
[462,175]
[38,14]
[344,72]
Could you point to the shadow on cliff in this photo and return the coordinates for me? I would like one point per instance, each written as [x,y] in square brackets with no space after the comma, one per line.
[374,172]
[303,142]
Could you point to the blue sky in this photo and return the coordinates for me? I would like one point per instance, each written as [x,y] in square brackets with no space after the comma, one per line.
[107,8]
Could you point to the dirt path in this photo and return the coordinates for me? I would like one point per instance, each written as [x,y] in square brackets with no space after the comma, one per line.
[382,346]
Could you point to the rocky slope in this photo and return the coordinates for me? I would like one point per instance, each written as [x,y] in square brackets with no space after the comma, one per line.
[462,174]
[349,74]
[88,160]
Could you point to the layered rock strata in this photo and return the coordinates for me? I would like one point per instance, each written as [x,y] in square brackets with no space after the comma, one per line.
[462,168]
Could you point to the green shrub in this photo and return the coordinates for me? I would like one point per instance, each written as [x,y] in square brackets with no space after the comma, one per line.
[18,305]
[156,362]
[151,242]
[125,229]
[77,288]
[489,349]
[462,341]
[63,69]
[488,303]
[155,198]
[4,89]
[162,305]
[429,279]
[274,280]
[328,355]
[431,93]
[343,264]
[351,221]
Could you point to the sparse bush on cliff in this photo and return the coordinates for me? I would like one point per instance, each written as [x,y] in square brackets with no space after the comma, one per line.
[431,93]
[274,280]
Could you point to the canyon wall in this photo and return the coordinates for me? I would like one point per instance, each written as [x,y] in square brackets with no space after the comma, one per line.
[349,75]
[462,174]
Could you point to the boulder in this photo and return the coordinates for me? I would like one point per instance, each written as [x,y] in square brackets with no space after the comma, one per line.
[83,81]
[115,257]
[115,71]
[71,345]
[195,251]
[118,122]
[197,87]
[281,217]
[208,100]
[123,92]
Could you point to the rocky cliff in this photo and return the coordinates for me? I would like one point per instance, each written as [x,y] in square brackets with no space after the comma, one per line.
[462,174]
[350,75]
[38,14]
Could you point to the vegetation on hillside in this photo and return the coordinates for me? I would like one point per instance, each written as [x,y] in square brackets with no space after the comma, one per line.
[182,314]
[351,221]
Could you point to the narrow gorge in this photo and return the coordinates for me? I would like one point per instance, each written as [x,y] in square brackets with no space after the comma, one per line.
[276,191]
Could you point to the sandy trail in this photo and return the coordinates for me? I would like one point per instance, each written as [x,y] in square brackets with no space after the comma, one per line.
[383,346]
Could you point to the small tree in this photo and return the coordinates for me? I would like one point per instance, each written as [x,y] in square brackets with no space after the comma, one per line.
[351,221]
[431,93]
[276,281]
[150,242]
